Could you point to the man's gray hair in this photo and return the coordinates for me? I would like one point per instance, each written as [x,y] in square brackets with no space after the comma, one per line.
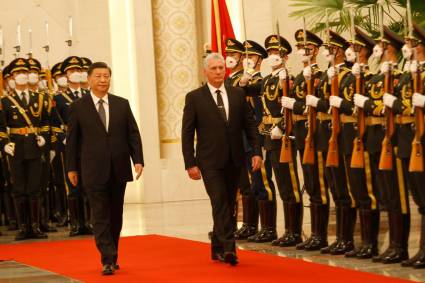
[212,56]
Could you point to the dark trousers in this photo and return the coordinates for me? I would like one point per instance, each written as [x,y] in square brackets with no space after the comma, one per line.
[26,177]
[221,185]
[107,201]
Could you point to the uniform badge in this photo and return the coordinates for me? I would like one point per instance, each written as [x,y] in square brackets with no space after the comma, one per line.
[272,87]
[36,104]
[15,117]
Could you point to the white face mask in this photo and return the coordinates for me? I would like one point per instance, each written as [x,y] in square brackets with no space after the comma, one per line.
[11,84]
[377,52]
[275,60]
[249,65]
[407,52]
[62,81]
[75,77]
[328,56]
[21,79]
[350,55]
[231,62]
[42,84]
[84,77]
[32,78]
[301,54]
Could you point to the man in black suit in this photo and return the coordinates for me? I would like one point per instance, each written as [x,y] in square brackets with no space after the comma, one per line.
[103,135]
[219,114]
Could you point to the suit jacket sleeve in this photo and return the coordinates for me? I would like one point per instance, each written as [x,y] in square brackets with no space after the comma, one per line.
[134,139]
[250,127]
[188,132]
[71,148]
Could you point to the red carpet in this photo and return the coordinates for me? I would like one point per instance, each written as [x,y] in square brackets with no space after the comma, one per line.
[162,259]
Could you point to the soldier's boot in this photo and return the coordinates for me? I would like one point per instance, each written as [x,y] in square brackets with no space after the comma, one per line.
[370,220]
[44,216]
[74,217]
[401,223]
[357,249]
[320,230]
[313,219]
[61,214]
[295,211]
[420,256]
[10,212]
[348,215]
[21,216]
[391,247]
[285,235]
[250,218]
[268,217]
[35,220]
[338,232]
[87,222]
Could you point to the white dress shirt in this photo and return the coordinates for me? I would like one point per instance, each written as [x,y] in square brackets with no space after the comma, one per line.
[22,93]
[223,95]
[105,106]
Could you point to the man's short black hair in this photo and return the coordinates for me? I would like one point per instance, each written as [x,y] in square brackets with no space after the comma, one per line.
[98,65]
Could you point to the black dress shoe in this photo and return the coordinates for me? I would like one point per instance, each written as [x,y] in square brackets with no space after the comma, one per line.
[107,269]
[116,266]
[217,256]
[231,258]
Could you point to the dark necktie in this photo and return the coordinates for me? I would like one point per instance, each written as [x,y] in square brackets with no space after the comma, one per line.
[102,113]
[220,105]
[24,98]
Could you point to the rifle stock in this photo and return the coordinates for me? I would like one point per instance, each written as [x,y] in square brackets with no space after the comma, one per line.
[286,150]
[416,157]
[332,159]
[386,158]
[357,156]
[308,155]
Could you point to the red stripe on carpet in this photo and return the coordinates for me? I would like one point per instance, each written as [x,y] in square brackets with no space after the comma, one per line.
[155,258]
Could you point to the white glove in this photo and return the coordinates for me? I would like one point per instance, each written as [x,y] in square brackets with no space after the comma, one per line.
[389,100]
[418,100]
[331,73]
[64,141]
[52,155]
[40,141]
[246,77]
[311,100]
[356,69]
[406,67]
[360,100]
[276,133]
[9,148]
[283,75]
[385,67]
[288,102]
[414,66]
[335,101]
[307,72]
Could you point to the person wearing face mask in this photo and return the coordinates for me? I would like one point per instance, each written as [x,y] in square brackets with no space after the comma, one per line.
[313,184]
[391,188]
[45,100]
[28,125]
[85,67]
[334,176]
[79,209]
[359,182]
[234,50]
[418,193]
[10,83]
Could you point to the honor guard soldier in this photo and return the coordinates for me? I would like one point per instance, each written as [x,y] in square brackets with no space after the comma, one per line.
[79,210]
[8,81]
[329,143]
[386,172]
[418,101]
[234,50]
[27,120]
[59,77]
[261,180]
[308,45]
[84,76]
[352,129]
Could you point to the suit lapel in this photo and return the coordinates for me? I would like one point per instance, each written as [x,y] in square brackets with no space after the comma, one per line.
[231,104]
[213,104]
[111,106]
[91,109]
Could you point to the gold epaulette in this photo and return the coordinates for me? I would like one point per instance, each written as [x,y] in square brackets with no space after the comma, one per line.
[45,129]
[3,135]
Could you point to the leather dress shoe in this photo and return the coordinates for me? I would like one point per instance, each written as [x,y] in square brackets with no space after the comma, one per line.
[231,258]
[218,256]
[107,269]
[116,266]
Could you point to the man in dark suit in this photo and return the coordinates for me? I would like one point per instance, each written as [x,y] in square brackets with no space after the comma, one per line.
[103,136]
[219,114]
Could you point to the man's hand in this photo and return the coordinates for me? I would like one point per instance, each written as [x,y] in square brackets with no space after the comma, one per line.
[9,148]
[138,168]
[256,162]
[194,173]
[40,141]
[73,177]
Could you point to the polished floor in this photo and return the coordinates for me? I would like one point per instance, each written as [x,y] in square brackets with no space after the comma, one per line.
[192,220]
